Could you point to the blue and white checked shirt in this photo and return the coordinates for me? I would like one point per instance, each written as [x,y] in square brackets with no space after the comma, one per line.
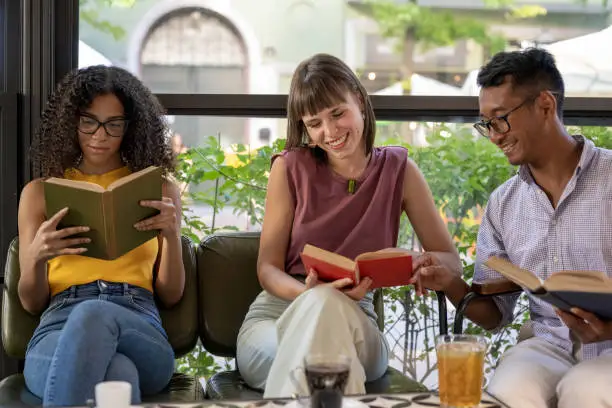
[521,225]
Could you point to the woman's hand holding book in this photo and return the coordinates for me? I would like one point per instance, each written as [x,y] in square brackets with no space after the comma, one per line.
[50,242]
[356,292]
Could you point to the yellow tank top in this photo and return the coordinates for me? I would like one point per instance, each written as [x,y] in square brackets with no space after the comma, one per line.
[135,267]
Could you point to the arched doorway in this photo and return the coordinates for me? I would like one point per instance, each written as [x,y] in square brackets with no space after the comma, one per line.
[195,50]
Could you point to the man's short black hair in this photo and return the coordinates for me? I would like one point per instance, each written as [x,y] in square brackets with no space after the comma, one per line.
[532,69]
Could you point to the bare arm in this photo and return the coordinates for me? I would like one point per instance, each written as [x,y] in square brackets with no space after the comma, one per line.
[424,217]
[489,313]
[170,281]
[39,241]
[446,271]
[275,233]
[33,285]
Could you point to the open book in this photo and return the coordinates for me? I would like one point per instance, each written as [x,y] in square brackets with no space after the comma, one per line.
[587,290]
[385,268]
[109,213]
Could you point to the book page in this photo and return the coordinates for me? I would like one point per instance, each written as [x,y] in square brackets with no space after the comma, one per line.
[330,257]
[124,180]
[521,277]
[82,185]
[579,281]
[382,255]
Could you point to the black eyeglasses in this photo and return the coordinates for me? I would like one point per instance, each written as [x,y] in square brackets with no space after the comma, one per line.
[499,124]
[113,127]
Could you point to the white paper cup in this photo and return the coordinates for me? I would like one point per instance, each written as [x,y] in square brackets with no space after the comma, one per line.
[113,394]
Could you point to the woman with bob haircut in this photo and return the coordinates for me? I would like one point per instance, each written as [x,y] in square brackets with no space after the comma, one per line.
[330,187]
[100,321]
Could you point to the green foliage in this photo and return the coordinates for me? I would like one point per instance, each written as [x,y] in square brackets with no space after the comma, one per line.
[433,27]
[89,11]
[601,136]
[462,170]
[211,177]
[430,27]
[200,363]
[516,11]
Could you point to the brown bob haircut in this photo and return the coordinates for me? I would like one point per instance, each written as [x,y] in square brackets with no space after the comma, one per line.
[319,83]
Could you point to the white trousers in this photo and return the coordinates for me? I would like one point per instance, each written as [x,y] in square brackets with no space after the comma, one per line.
[537,374]
[277,335]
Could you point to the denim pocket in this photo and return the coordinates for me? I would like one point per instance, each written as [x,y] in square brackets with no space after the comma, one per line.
[55,305]
[144,305]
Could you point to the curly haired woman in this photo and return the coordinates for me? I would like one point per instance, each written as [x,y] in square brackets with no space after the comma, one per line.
[100,320]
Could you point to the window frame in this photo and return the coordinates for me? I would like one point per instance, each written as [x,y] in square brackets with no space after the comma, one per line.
[578,111]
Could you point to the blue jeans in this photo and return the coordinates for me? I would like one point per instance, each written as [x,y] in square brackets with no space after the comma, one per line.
[100,331]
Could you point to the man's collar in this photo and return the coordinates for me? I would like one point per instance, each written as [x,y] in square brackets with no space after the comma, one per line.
[586,157]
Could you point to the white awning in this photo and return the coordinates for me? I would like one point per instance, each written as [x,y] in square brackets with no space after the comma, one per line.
[422,85]
[88,56]
[585,62]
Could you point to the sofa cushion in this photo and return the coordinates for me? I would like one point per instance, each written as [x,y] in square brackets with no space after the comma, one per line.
[15,394]
[229,385]
[228,284]
[394,382]
[182,388]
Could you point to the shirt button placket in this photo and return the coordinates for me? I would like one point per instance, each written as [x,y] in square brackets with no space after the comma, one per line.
[555,240]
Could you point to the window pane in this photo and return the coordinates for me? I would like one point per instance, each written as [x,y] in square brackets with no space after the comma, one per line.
[253,47]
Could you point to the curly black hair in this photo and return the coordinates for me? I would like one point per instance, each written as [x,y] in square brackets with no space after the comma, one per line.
[55,147]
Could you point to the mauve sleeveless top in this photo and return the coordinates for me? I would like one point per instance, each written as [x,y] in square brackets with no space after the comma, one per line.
[329,216]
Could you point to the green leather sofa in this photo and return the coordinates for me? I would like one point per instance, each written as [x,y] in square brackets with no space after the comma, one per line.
[221,283]
[227,266]
[180,323]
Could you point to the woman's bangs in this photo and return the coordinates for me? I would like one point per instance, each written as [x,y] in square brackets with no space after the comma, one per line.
[318,94]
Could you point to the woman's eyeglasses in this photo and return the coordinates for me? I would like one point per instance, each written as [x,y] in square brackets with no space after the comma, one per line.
[113,127]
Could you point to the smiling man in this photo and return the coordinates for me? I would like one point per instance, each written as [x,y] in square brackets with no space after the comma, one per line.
[555,214]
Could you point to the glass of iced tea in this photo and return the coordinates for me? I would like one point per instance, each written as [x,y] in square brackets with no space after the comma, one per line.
[460,369]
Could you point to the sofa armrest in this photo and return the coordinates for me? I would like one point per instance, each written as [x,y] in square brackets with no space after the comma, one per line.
[181,320]
[17,324]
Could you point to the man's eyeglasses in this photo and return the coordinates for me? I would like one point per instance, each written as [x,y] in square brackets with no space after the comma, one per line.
[499,124]
[113,127]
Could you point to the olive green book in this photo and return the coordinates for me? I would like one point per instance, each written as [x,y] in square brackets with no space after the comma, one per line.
[109,213]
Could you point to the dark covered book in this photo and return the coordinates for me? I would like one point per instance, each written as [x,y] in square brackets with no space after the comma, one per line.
[587,290]
[109,213]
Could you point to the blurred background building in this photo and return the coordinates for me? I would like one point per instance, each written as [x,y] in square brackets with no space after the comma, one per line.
[253,47]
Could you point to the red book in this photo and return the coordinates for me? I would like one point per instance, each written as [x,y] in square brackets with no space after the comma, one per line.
[386,268]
